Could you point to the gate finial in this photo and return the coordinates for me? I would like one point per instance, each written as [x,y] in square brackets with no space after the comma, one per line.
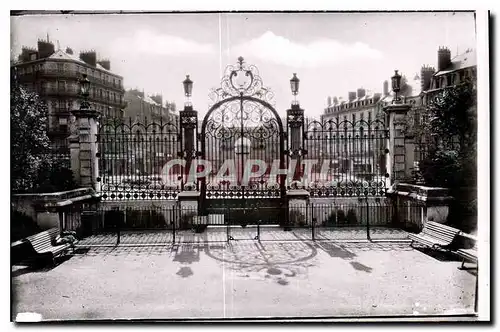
[240,60]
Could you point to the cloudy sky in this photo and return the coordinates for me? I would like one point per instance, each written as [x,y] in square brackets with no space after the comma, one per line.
[332,53]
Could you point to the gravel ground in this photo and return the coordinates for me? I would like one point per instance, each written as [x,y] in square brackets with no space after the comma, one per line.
[245,279]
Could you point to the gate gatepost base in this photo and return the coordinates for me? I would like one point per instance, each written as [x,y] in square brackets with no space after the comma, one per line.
[188,202]
[298,201]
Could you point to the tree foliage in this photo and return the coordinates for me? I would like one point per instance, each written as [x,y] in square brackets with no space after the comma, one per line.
[451,125]
[33,166]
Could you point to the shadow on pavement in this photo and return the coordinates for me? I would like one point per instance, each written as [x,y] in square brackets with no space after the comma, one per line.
[440,255]
[37,266]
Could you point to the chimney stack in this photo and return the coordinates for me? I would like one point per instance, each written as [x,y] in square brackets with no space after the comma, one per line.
[26,53]
[105,63]
[426,73]
[444,58]
[89,57]
[45,49]
[361,93]
[386,88]
[352,95]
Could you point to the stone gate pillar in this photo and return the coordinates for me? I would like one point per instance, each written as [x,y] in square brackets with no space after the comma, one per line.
[83,148]
[190,195]
[295,127]
[397,166]
[297,196]
[189,124]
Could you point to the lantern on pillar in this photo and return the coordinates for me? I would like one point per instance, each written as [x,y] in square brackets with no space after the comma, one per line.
[188,89]
[84,91]
[396,85]
[294,85]
[84,86]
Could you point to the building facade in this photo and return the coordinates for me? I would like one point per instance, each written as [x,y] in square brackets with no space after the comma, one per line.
[54,75]
[358,106]
[450,72]
[141,106]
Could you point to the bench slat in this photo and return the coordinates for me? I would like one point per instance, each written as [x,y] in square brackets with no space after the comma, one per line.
[435,234]
[440,236]
[42,242]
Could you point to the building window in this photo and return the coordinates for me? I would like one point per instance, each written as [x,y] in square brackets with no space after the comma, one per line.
[369,116]
[362,116]
[61,85]
[353,118]
[60,67]
[28,70]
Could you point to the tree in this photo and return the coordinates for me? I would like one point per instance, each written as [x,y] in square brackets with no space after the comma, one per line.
[33,167]
[29,141]
[450,122]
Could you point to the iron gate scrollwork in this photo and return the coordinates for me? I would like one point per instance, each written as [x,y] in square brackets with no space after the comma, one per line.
[242,125]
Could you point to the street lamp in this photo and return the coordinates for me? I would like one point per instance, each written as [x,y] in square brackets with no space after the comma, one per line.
[84,91]
[396,86]
[294,85]
[188,89]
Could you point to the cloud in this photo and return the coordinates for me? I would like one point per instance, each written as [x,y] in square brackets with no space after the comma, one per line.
[146,41]
[320,52]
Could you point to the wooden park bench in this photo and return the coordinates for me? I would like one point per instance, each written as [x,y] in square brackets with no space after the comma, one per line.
[468,254]
[43,247]
[435,235]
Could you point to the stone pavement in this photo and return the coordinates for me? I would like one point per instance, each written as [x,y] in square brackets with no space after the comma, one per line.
[218,234]
[245,279]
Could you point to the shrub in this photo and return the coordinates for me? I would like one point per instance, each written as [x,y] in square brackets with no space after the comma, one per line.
[352,219]
[341,219]
[332,219]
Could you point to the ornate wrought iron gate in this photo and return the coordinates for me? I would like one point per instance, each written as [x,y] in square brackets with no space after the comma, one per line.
[131,157]
[240,127]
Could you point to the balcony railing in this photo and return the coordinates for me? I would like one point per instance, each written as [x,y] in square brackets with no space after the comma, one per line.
[60,91]
[73,74]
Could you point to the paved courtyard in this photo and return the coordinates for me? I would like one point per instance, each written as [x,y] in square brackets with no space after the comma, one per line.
[245,279]
[219,234]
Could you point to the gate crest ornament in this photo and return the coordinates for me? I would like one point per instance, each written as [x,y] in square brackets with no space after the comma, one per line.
[241,80]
